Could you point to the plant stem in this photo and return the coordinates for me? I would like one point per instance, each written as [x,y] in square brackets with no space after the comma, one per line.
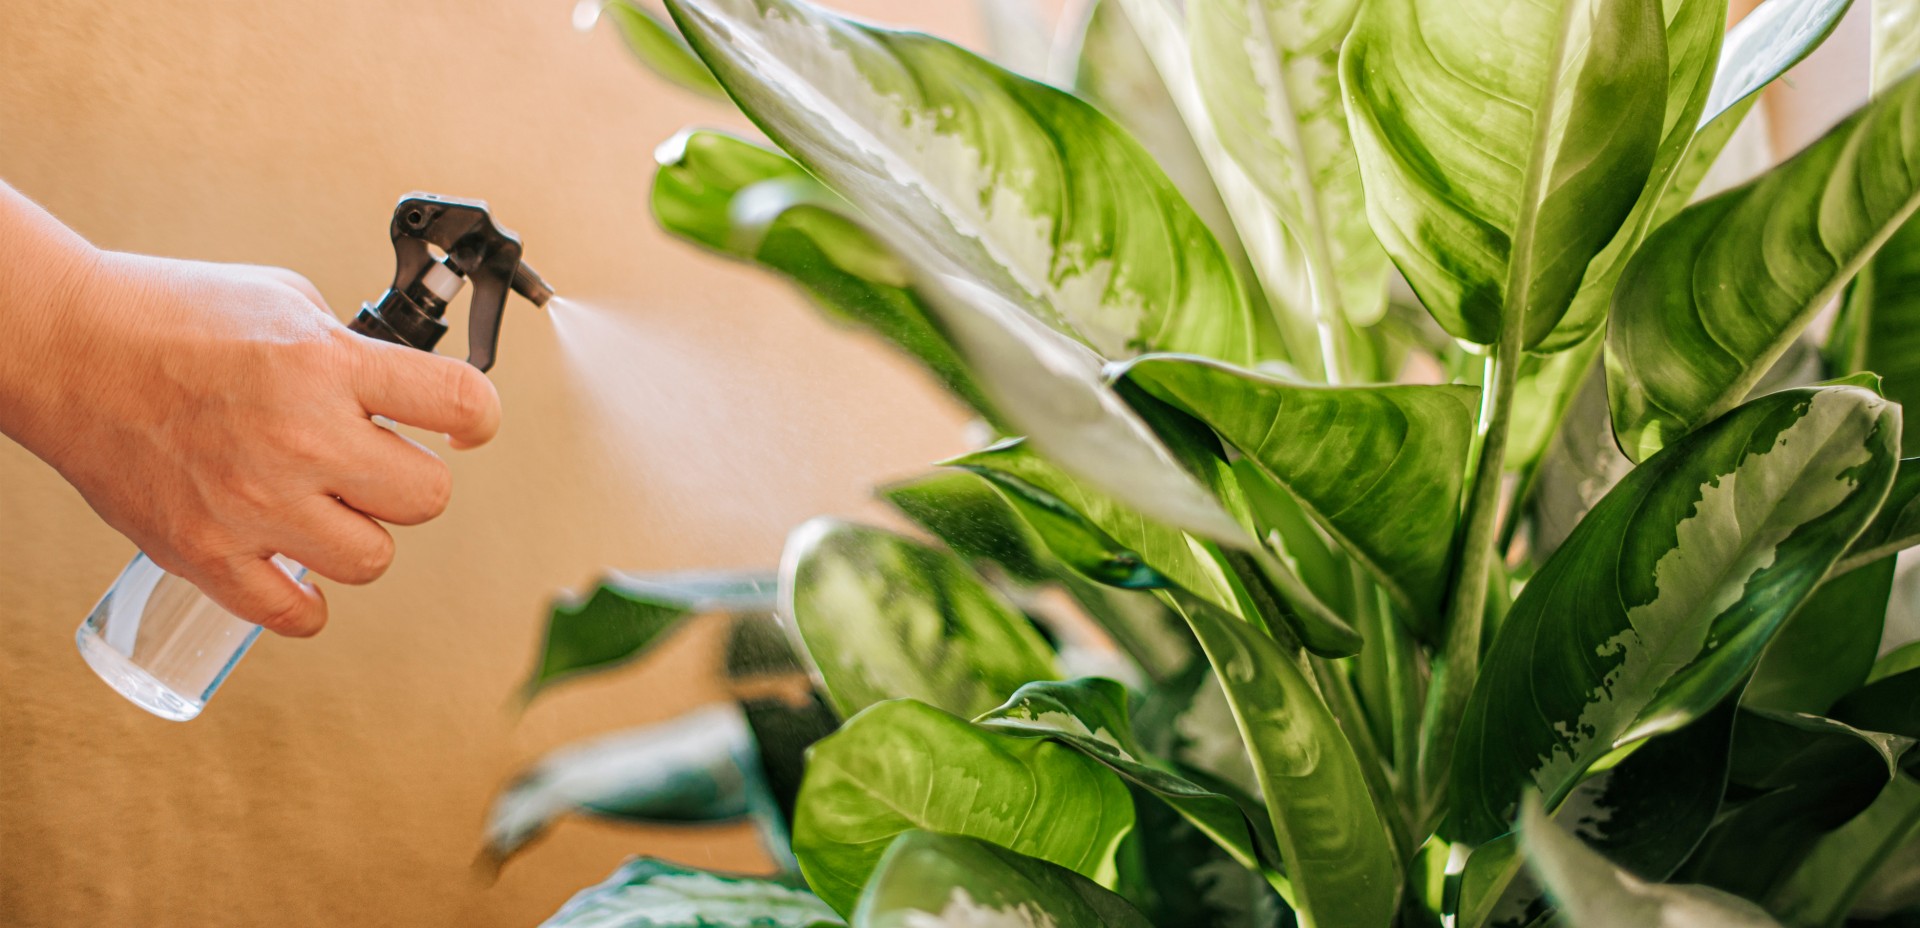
[1460,659]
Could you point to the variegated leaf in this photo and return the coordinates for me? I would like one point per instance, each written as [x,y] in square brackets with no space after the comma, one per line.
[648,893]
[903,765]
[1269,73]
[929,880]
[885,617]
[1666,595]
[1503,142]
[977,172]
[1718,294]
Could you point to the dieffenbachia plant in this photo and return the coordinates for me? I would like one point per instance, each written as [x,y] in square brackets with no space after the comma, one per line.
[1405,505]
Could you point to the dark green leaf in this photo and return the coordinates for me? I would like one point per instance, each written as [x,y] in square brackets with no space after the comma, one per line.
[1896,527]
[1879,325]
[904,765]
[1794,779]
[1719,293]
[1593,893]
[1664,597]
[1380,468]
[969,516]
[885,617]
[972,171]
[1644,814]
[647,893]
[1493,179]
[1890,704]
[1090,716]
[1843,866]
[1826,650]
[628,615]
[928,880]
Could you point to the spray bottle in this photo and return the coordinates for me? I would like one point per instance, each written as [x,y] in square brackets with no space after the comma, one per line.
[158,640]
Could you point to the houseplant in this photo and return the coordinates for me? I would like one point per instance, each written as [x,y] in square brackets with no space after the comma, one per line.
[1582,619]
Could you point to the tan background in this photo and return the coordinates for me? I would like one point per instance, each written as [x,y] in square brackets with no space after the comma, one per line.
[342,781]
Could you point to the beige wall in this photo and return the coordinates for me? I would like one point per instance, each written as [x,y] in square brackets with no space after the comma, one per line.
[343,780]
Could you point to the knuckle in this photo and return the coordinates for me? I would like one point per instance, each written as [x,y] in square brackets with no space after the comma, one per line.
[292,617]
[370,562]
[438,492]
[468,394]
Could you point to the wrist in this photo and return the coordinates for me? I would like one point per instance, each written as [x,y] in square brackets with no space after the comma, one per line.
[46,292]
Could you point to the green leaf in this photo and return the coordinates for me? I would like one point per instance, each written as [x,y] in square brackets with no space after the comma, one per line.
[947,881]
[1880,321]
[1564,121]
[1090,716]
[1794,778]
[1269,73]
[1645,814]
[648,893]
[660,48]
[1069,520]
[627,616]
[904,765]
[1764,44]
[1331,836]
[1899,660]
[1843,865]
[699,768]
[1896,528]
[1180,878]
[747,202]
[973,171]
[1593,893]
[1827,648]
[885,617]
[1719,293]
[1664,597]
[1380,468]
[969,516]
[1694,32]
[1890,704]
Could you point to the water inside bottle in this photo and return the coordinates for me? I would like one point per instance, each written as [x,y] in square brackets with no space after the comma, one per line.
[161,643]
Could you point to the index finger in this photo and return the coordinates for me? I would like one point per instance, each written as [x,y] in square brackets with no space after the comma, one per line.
[428,390]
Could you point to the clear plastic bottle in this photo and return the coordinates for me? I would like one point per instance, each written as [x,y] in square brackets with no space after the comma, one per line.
[160,642]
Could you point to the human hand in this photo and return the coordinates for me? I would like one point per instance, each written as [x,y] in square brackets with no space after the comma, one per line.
[218,415]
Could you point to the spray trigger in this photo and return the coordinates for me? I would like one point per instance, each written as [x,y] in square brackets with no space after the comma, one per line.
[471,247]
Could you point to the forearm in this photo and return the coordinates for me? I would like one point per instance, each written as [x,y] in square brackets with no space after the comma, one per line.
[43,267]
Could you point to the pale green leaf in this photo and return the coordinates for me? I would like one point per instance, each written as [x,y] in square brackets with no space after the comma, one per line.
[1090,716]
[1593,893]
[747,202]
[1664,597]
[1269,73]
[1503,143]
[931,880]
[1717,295]
[648,893]
[659,47]
[885,617]
[1896,40]
[973,171]
[1017,35]
[627,616]
[699,768]
[903,765]
[1332,839]
[1380,468]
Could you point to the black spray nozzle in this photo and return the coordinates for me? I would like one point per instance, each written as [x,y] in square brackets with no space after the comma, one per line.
[470,247]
